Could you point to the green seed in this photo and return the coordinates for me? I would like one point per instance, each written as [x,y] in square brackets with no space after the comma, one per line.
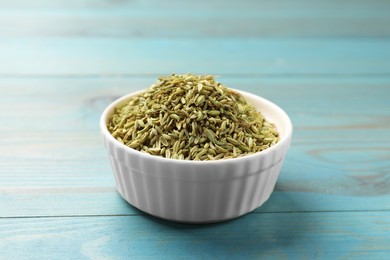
[164,141]
[174,116]
[214,112]
[134,144]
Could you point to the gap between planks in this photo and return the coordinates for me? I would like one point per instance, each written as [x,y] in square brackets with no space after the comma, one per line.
[145,214]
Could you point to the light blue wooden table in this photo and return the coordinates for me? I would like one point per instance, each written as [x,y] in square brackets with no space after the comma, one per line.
[327,63]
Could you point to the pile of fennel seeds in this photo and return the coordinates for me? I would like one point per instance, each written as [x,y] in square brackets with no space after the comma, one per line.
[191,117]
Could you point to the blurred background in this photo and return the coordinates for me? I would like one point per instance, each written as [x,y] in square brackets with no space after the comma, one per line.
[231,38]
[327,63]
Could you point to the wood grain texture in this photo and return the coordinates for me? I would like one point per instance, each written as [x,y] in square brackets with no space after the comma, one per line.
[79,56]
[282,236]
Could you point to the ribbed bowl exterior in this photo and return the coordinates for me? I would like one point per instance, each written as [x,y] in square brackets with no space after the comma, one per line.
[196,191]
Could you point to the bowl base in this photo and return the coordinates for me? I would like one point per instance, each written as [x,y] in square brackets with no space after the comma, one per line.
[189,221]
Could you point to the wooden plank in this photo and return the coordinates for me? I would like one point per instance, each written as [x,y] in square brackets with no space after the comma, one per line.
[330,235]
[105,201]
[112,56]
[51,154]
[177,4]
[362,19]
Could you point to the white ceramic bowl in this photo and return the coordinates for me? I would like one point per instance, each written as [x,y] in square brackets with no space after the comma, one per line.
[198,191]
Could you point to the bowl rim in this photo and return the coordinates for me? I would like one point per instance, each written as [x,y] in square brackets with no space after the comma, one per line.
[284,140]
